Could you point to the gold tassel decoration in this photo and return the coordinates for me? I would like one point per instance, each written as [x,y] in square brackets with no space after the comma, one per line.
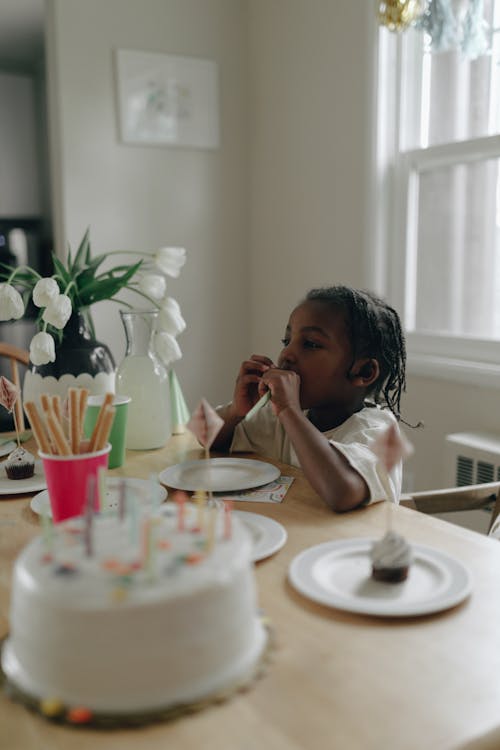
[398,15]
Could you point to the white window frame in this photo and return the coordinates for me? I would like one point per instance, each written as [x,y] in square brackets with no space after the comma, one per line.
[463,359]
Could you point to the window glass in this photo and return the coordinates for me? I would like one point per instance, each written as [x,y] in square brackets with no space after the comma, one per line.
[459,97]
[456,272]
[438,207]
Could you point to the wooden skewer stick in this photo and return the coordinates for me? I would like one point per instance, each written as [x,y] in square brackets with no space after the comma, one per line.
[37,427]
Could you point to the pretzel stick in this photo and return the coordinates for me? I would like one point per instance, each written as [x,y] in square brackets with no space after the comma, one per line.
[56,407]
[57,435]
[83,406]
[105,428]
[74,419]
[108,400]
[38,427]
[45,402]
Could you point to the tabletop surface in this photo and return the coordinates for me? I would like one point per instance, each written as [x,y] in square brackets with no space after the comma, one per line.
[335,679]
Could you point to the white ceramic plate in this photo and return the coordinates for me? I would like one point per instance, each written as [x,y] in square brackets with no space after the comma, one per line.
[338,574]
[268,535]
[22,486]
[41,503]
[219,474]
[7,448]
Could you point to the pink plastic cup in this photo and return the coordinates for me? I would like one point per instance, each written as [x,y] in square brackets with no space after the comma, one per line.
[67,481]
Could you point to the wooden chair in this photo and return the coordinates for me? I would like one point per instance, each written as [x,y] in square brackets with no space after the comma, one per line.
[469,497]
[16,356]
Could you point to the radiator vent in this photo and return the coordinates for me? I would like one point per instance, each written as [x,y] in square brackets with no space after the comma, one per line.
[471,458]
[464,472]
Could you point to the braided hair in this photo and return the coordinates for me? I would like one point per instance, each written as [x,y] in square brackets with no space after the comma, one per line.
[375,331]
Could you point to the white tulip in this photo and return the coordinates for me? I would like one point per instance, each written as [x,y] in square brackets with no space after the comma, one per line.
[42,349]
[170,260]
[58,311]
[167,348]
[171,305]
[45,291]
[170,317]
[11,303]
[153,285]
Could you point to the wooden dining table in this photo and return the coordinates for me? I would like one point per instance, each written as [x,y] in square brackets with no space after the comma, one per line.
[335,679]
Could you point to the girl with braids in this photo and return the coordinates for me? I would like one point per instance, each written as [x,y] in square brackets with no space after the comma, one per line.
[341,347]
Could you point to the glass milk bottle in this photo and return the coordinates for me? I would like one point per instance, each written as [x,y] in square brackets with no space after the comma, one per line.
[143,377]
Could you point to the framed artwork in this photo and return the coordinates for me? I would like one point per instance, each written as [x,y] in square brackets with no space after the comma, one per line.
[167,99]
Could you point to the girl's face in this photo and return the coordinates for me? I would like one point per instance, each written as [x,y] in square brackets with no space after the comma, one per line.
[317,348]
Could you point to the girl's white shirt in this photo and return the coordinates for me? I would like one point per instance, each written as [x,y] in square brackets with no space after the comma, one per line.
[264,434]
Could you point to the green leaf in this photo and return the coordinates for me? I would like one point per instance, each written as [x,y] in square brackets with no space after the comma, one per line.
[8,270]
[83,252]
[106,286]
[63,274]
[88,272]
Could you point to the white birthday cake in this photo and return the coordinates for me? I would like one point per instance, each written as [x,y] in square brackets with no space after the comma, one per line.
[134,613]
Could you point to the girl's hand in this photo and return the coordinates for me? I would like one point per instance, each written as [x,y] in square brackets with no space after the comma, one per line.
[246,391]
[285,389]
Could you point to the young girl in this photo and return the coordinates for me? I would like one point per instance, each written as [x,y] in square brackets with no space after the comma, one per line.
[341,345]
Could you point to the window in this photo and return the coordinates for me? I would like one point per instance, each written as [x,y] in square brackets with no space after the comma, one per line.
[439,200]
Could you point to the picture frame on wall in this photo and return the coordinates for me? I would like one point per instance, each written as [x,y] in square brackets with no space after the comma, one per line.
[167,100]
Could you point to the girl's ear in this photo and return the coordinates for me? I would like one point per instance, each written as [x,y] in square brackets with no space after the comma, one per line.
[364,372]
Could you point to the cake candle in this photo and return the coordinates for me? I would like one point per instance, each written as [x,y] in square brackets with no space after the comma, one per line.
[155,491]
[122,499]
[89,516]
[132,512]
[180,499]
[228,506]
[148,545]
[146,542]
[101,484]
[200,500]
[47,531]
[212,519]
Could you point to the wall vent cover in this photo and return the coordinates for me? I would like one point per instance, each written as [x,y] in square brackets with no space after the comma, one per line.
[471,458]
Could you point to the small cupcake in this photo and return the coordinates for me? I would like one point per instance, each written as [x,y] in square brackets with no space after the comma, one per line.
[20,464]
[391,558]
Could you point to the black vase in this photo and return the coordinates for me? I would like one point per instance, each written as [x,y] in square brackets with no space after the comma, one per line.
[80,361]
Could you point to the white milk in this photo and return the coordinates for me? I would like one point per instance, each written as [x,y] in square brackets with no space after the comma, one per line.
[146,382]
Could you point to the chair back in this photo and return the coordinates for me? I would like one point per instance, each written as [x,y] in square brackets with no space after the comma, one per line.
[16,356]
[452,499]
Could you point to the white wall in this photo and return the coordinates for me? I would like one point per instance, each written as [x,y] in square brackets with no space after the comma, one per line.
[145,197]
[444,407]
[311,65]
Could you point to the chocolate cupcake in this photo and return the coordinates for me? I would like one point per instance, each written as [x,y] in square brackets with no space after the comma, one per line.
[391,558]
[20,464]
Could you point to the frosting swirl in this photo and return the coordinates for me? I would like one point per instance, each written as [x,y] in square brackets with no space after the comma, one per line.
[392,551]
[19,456]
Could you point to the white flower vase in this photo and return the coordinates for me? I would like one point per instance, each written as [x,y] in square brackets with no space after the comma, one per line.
[178,408]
